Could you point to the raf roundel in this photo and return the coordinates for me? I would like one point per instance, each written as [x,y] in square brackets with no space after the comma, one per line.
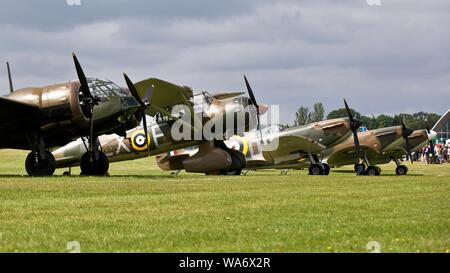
[138,141]
[238,143]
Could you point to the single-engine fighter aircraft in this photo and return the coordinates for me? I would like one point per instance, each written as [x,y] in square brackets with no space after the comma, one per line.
[293,145]
[160,99]
[39,118]
[379,146]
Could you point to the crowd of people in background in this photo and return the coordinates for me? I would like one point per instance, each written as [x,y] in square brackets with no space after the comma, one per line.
[441,154]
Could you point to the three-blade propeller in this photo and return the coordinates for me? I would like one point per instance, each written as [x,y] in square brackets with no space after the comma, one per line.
[84,87]
[86,99]
[405,133]
[354,125]
[143,103]
[253,99]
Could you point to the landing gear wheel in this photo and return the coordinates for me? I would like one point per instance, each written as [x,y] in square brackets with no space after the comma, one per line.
[326,169]
[316,169]
[98,167]
[373,171]
[401,170]
[43,167]
[360,169]
[378,170]
[238,162]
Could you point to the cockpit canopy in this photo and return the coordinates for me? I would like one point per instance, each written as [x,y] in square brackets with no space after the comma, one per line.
[202,101]
[105,88]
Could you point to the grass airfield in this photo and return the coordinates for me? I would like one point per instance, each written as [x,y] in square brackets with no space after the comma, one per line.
[141,209]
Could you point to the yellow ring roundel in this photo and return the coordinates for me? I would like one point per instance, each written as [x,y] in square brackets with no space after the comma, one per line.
[238,143]
[138,141]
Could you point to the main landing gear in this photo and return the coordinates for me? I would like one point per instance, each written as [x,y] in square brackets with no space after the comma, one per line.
[39,162]
[360,169]
[318,168]
[401,169]
[94,161]
[238,162]
[371,170]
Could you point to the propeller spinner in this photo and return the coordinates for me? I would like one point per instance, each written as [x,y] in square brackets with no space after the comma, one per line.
[431,135]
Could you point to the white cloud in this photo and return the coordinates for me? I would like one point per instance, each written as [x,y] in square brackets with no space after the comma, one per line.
[389,59]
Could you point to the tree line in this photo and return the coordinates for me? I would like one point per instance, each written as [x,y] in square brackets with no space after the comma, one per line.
[419,120]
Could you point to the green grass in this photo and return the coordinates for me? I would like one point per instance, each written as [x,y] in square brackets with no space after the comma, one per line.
[142,209]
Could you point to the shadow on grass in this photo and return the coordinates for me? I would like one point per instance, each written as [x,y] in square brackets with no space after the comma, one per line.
[55,177]
[167,176]
[386,173]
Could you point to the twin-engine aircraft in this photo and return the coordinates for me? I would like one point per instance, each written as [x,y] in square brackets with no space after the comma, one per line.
[171,105]
[39,118]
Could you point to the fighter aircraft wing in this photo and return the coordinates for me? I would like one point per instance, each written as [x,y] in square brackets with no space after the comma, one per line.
[348,155]
[227,95]
[289,145]
[16,115]
[163,95]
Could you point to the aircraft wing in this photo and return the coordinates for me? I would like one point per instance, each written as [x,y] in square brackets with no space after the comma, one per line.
[292,145]
[227,95]
[163,95]
[348,155]
[16,115]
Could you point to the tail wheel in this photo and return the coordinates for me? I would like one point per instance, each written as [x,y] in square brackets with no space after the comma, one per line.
[43,167]
[401,170]
[316,169]
[97,165]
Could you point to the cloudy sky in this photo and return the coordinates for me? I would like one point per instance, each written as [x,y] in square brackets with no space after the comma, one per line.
[384,59]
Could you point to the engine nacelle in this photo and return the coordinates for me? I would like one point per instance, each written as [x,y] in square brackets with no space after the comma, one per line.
[171,163]
[208,159]
[58,103]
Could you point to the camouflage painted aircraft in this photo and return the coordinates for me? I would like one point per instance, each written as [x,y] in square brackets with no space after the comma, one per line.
[274,147]
[159,99]
[39,118]
[378,146]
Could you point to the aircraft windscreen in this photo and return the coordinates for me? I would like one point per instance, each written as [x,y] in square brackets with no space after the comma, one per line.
[106,88]
[202,102]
